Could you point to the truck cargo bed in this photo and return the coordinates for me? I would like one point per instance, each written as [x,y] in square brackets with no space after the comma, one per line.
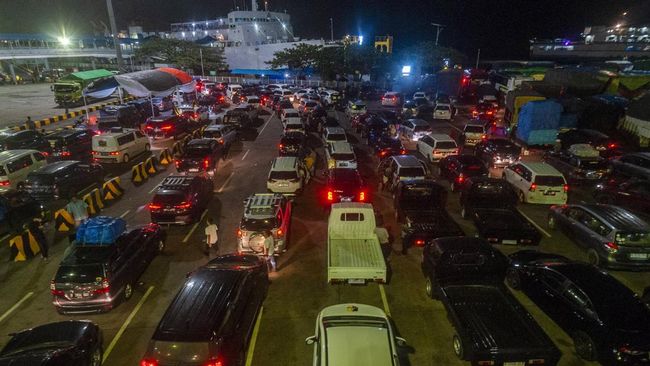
[355,259]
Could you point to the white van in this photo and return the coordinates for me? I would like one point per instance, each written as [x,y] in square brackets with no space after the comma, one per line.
[537,183]
[287,176]
[339,154]
[436,146]
[16,164]
[233,89]
[119,146]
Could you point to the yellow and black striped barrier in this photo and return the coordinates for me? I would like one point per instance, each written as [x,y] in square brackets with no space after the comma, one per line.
[94,201]
[186,139]
[63,221]
[23,247]
[165,157]
[150,166]
[112,189]
[138,174]
[177,149]
[196,134]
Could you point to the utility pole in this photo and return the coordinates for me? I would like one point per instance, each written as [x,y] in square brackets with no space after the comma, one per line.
[201,54]
[439,28]
[478,56]
[331,30]
[116,43]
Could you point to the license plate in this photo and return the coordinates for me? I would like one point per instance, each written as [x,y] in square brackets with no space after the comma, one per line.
[283,184]
[509,241]
[343,164]
[514,363]
[639,256]
[169,210]
[549,193]
[356,281]
[194,169]
[346,199]
[104,154]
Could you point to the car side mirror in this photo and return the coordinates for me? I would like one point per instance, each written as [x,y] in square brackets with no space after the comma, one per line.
[311,340]
[401,342]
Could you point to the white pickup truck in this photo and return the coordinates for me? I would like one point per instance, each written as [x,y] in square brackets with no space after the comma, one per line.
[353,251]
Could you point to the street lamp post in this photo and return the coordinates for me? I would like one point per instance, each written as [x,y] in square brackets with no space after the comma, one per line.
[439,28]
[116,43]
[201,54]
[331,30]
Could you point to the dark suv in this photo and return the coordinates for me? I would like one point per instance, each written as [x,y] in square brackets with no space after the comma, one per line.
[210,320]
[166,126]
[17,208]
[497,152]
[93,278]
[71,144]
[24,140]
[181,199]
[291,144]
[200,155]
[62,179]
[345,185]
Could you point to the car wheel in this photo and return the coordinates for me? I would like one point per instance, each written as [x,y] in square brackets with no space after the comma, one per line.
[128,291]
[458,347]
[551,222]
[96,357]
[429,288]
[161,246]
[522,197]
[513,279]
[147,148]
[125,159]
[584,346]
[593,258]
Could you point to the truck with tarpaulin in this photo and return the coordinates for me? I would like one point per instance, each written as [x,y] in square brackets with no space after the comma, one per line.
[68,90]
[514,101]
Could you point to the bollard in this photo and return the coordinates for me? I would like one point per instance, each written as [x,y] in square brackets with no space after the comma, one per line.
[111,189]
[63,221]
[165,157]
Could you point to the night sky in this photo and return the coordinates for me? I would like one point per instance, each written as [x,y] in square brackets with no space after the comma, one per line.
[500,28]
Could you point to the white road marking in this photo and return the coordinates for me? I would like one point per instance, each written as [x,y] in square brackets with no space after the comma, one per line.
[158,185]
[454,127]
[245,154]
[226,182]
[128,320]
[251,345]
[187,237]
[534,223]
[384,299]
[267,122]
[16,306]
[124,214]
[5,237]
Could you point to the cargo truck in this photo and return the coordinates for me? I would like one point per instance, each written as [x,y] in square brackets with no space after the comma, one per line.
[67,91]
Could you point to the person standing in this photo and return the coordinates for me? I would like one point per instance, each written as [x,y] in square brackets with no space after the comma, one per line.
[211,236]
[29,124]
[384,239]
[78,209]
[35,227]
[269,249]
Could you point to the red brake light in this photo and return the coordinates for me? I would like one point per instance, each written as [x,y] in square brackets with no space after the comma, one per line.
[483,137]
[611,247]
[566,188]
[279,233]
[54,291]
[149,362]
[383,153]
[65,153]
[280,146]
[533,187]
[362,196]
[177,163]
[612,146]
[4,183]
[214,363]
[536,361]
[154,206]
[206,163]
[403,152]
[149,128]
[419,242]
[105,289]
[460,178]
[330,196]
[183,206]
[114,153]
[166,128]
[239,233]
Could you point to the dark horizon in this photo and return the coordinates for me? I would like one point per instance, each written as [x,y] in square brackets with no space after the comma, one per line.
[499,28]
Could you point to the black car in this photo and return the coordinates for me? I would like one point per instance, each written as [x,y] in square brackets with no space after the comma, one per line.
[200,155]
[71,144]
[16,209]
[373,128]
[181,199]
[497,152]
[345,185]
[291,144]
[64,343]
[491,204]
[124,115]
[26,139]
[578,169]
[386,146]
[325,122]
[166,127]
[634,165]
[456,169]
[283,104]
[633,194]
[604,144]
[420,206]
[211,319]
[95,278]
[607,321]
[491,327]
[62,179]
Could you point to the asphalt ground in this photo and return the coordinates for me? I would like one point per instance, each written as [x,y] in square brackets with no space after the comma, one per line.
[299,289]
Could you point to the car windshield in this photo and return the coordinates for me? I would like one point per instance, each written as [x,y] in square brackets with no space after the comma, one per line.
[445,145]
[593,164]
[474,129]
[90,273]
[411,172]
[336,137]
[343,156]
[283,175]
[197,152]
[40,178]
[259,224]
[549,180]
[443,108]
[640,238]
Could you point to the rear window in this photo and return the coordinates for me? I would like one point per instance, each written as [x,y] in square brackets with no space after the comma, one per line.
[636,239]
[420,128]
[345,157]
[171,198]
[294,126]
[475,169]
[445,145]
[79,274]
[549,180]
[411,172]
[197,152]
[42,179]
[291,115]
[283,175]
[442,108]
[259,224]
[211,134]
[593,164]
[336,137]
[474,129]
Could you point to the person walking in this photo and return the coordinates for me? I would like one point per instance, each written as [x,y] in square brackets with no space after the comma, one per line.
[269,249]
[78,209]
[35,227]
[211,236]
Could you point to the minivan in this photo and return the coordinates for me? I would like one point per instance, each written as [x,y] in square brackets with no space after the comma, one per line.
[211,319]
[62,179]
[436,146]
[119,146]
[537,183]
[401,167]
[340,154]
[71,144]
[232,90]
[15,165]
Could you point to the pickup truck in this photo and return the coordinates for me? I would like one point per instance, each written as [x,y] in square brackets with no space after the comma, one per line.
[353,250]
[491,326]
[491,204]
[420,208]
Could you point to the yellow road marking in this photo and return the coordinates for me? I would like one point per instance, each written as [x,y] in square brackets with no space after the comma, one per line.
[384,299]
[251,345]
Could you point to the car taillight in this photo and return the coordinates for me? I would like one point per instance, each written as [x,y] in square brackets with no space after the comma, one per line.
[403,152]
[239,233]
[154,206]
[533,187]
[383,153]
[149,128]
[106,287]
[177,163]
[566,188]
[629,351]
[279,233]
[114,153]
[216,362]
[65,153]
[330,196]
[612,146]
[183,206]
[206,163]
[54,291]
[280,146]
[4,183]
[536,361]
[362,196]
[148,362]
[166,128]
[483,137]
[460,178]
[611,247]
[419,242]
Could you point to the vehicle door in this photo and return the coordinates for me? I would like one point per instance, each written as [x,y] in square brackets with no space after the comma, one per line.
[546,291]
[514,175]
[83,176]
[578,311]
[19,168]
[571,222]
[425,146]
[127,144]
[118,266]
[140,142]
[138,255]
[591,232]
[636,196]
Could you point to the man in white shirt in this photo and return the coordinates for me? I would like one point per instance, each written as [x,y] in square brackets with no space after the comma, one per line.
[269,249]
[211,236]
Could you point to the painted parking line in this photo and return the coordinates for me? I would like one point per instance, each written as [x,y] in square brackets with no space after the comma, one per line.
[187,237]
[267,122]
[384,299]
[16,306]
[245,154]
[124,214]
[5,237]
[534,223]
[128,320]
[251,345]
[223,186]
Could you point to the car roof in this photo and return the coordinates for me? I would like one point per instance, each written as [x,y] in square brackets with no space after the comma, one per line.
[441,137]
[200,142]
[406,160]
[344,173]
[618,217]
[284,163]
[334,130]
[67,330]
[596,283]
[340,147]
[66,133]
[290,110]
[56,166]
[541,168]
[10,154]
[352,309]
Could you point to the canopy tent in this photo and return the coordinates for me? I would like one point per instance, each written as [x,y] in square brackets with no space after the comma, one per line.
[160,82]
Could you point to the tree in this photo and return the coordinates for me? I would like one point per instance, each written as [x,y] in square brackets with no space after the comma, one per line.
[299,58]
[429,56]
[183,54]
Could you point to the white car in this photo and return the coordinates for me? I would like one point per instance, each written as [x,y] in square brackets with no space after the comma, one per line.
[391,99]
[436,146]
[297,95]
[289,113]
[253,101]
[419,95]
[354,335]
[537,182]
[414,129]
[294,125]
[332,134]
[287,176]
[119,146]
[442,111]
[340,154]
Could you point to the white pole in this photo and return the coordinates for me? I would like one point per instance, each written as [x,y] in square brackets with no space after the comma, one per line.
[119,93]
[153,111]
[86,107]
[478,56]
[201,54]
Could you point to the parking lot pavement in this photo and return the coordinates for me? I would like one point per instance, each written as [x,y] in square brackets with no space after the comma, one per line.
[297,292]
